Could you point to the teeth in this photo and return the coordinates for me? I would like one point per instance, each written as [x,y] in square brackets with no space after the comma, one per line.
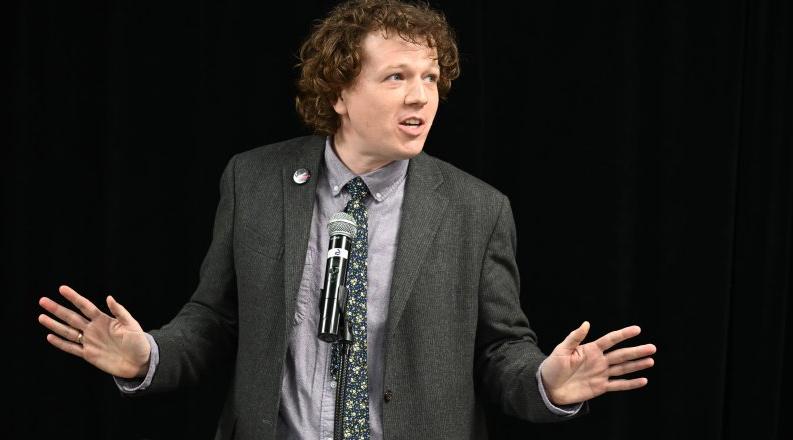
[411,121]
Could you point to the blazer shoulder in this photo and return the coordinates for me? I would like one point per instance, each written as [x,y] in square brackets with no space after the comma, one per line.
[267,161]
[466,188]
[279,153]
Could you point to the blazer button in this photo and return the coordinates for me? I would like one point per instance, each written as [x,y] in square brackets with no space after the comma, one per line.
[388,395]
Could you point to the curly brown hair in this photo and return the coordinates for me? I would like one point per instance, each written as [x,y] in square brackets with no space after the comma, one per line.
[330,58]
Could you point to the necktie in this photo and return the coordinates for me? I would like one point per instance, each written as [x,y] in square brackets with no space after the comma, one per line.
[355,407]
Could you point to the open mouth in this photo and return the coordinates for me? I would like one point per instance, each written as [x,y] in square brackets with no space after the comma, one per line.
[412,122]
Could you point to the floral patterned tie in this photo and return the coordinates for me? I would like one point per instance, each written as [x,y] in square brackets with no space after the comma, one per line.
[356,392]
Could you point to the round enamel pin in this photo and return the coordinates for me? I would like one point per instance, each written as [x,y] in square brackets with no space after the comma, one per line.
[301,176]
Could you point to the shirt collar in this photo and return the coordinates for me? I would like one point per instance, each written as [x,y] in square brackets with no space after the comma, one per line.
[381,182]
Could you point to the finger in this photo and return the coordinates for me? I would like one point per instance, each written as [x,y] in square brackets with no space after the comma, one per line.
[66,315]
[86,307]
[626,384]
[574,339]
[630,353]
[613,338]
[630,367]
[64,331]
[68,347]
[119,311]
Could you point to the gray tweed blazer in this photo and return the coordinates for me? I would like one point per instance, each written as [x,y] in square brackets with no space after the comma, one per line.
[456,336]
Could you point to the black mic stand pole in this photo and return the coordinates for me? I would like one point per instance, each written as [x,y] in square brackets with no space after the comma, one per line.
[345,341]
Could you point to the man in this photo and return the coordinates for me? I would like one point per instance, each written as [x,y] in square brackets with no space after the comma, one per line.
[434,296]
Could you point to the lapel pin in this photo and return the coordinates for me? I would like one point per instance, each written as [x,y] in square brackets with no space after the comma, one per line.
[301,176]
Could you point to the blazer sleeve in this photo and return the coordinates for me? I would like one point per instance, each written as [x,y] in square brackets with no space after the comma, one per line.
[203,335]
[507,355]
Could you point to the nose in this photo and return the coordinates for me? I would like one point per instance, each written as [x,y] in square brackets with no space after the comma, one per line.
[416,94]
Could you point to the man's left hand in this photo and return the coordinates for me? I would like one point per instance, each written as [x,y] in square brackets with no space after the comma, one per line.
[574,372]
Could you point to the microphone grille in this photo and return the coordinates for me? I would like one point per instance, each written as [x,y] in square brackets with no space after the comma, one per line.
[342,223]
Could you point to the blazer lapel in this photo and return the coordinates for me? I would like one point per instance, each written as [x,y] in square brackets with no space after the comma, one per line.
[298,209]
[422,211]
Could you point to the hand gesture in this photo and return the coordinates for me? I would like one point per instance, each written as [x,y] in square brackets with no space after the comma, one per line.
[574,373]
[114,344]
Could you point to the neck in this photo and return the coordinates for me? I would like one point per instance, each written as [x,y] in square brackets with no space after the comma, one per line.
[356,161]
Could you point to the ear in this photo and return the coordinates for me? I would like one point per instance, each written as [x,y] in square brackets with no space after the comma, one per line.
[340,106]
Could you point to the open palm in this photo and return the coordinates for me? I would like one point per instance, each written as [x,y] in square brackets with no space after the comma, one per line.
[114,344]
[576,372]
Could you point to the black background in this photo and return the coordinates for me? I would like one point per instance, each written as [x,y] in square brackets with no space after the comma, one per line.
[645,146]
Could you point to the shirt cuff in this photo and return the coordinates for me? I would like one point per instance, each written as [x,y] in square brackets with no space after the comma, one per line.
[131,386]
[566,410]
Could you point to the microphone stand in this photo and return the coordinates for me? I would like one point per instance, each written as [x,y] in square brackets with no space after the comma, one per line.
[345,340]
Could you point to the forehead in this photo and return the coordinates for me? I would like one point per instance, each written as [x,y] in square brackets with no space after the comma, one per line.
[380,50]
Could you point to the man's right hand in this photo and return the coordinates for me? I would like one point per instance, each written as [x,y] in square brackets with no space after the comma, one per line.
[114,344]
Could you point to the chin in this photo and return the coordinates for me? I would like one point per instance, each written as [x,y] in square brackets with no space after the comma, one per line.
[411,149]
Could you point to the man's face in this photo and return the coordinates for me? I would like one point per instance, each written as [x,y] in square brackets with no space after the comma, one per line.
[387,112]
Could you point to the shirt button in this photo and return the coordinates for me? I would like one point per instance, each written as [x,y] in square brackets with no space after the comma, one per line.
[388,395]
[378,196]
[335,188]
[333,384]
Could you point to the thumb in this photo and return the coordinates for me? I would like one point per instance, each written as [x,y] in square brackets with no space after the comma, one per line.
[120,312]
[574,339]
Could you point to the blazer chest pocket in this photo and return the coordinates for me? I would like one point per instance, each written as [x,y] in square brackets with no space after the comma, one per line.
[262,242]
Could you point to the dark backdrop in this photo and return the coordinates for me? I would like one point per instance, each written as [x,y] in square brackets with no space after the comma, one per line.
[646,148]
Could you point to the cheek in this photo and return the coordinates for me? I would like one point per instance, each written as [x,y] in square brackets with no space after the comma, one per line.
[432,110]
[372,114]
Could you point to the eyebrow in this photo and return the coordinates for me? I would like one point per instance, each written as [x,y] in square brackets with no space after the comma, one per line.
[405,66]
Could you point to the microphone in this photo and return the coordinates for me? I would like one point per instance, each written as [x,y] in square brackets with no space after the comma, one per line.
[341,229]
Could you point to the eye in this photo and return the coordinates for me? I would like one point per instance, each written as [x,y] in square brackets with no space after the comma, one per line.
[432,77]
[394,76]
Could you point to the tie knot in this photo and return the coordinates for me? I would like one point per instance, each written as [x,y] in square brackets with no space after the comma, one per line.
[357,189]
